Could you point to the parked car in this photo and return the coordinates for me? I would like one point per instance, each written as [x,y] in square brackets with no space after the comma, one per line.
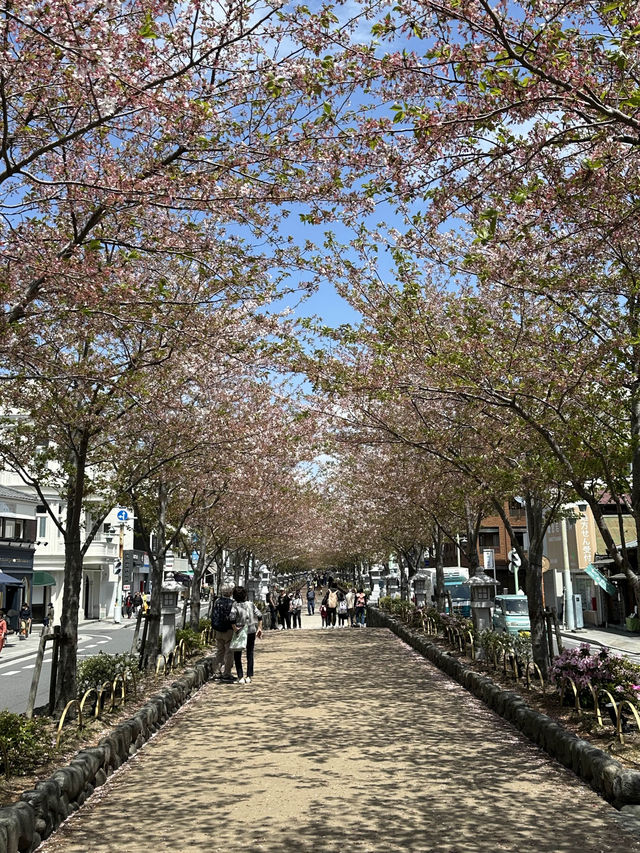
[511,614]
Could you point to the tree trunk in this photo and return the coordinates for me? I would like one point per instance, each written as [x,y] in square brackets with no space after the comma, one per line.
[533,567]
[439,549]
[67,663]
[157,576]
[474,520]
[404,592]
[196,584]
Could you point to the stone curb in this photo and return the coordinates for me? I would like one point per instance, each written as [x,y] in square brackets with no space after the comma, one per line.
[597,768]
[38,813]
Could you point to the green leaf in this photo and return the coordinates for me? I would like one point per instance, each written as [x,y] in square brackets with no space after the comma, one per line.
[148,30]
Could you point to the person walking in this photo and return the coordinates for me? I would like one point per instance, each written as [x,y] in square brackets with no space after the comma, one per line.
[245,614]
[137,602]
[342,612]
[284,609]
[350,598]
[331,602]
[3,629]
[296,610]
[311,600]
[25,621]
[323,614]
[361,604]
[221,624]
[273,610]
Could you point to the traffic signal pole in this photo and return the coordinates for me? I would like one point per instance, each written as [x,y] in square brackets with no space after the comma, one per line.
[117,609]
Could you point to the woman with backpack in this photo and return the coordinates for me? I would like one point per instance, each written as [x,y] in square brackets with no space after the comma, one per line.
[246,618]
[331,601]
[342,612]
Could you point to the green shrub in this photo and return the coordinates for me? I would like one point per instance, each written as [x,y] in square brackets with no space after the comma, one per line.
[24,744]
[203,624]
[95,670]
[192,639]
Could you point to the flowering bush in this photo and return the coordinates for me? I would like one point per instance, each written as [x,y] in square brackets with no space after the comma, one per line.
[583,667]
[625,679]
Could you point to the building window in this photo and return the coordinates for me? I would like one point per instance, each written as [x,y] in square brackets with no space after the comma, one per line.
[42,527]
[489,538]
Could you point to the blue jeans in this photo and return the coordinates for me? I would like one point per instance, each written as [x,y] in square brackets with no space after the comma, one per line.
[311,605]
[360,616]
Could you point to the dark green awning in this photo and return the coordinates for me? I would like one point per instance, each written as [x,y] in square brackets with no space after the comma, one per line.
[43,579]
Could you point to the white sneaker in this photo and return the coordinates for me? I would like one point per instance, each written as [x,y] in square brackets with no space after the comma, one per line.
[247,680]
[241,681]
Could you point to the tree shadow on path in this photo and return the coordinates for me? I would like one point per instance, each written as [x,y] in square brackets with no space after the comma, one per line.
[346,741]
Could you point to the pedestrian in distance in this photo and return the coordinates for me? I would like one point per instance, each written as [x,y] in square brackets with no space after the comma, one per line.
[342,613]
[3,629]
[273,610]
[331,601]
[128,606]
[221,624]
[245,615]
[25,621]
[361,605]
[323,614]
[48,619]
[137,602]
[284,609]
[311,600]
[296,610]
[350,598]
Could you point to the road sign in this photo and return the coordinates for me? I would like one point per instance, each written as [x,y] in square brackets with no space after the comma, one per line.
[514,558]
[122,515]
[489,558]
[126,587]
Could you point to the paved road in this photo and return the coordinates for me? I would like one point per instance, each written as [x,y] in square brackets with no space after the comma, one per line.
[18,660]
[345,741]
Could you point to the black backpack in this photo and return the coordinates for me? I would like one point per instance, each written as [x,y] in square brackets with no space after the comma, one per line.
[220,617]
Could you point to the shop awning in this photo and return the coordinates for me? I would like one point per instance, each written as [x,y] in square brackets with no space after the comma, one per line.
[596,575]
[43,579]
[9,580]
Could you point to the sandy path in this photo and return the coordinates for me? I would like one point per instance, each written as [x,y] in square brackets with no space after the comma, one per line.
[346,741]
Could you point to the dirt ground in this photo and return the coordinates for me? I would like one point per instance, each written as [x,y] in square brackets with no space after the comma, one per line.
[345,741]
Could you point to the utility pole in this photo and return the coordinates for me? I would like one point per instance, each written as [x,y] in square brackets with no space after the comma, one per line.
[569,616]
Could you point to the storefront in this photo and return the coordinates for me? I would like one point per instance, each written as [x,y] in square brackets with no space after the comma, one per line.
[17,561]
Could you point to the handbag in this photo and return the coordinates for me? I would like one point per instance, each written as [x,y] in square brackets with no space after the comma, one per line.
[239,640]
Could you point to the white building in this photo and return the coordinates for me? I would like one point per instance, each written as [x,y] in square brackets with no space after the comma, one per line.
[100,580]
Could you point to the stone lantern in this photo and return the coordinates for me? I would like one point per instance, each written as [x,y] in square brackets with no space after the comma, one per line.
[420,587]
[375,576]
[483,596]
[168,610]
[265,580]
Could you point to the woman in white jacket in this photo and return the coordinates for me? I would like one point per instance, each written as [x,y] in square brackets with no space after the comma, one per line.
[244,613]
